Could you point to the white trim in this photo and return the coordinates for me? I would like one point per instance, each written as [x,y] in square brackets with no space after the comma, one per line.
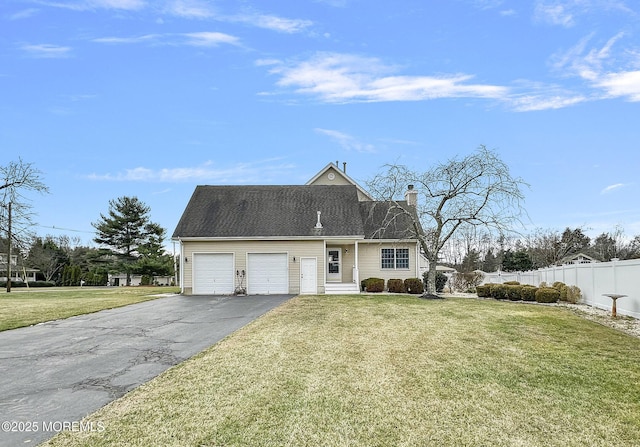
[270,238]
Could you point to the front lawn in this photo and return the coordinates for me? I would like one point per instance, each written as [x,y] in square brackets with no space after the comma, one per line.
[391,371]
[22,307]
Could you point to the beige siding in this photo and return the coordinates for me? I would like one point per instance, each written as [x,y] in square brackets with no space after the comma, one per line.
[369,255]
[338,179]
[294,249]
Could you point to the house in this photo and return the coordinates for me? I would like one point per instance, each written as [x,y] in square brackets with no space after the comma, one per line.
[321,237]
[578,258]
[18,274]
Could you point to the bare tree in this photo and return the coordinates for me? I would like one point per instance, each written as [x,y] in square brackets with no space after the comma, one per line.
[15,209]
[476,190]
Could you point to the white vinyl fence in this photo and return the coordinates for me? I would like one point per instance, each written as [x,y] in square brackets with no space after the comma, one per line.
[593,279]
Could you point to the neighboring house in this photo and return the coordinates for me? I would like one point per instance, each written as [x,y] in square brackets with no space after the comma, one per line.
[120,279]
[322,237]
[578,258]
[18,274]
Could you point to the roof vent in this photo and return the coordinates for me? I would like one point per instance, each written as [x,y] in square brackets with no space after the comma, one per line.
[318,224]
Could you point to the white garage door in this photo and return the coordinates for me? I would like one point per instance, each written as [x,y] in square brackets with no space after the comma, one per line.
[267,273]
[212,273]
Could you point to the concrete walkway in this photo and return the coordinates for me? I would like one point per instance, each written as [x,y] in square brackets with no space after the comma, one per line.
[56,373]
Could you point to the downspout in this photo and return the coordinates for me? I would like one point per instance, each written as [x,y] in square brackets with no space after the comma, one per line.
[181,267]
[356,276]
[418,260]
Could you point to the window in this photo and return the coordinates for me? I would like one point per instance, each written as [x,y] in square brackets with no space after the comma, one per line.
[395,258]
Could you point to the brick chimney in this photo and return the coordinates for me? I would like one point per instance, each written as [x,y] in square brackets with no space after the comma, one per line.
[411,196]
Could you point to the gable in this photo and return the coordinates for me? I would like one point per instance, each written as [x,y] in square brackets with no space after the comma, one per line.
[331,175]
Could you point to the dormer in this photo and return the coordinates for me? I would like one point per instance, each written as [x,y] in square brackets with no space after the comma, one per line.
[333,175]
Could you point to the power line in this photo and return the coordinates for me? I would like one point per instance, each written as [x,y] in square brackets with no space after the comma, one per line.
[65,229]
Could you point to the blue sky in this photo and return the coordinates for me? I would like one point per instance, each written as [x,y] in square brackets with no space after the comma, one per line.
[151,98]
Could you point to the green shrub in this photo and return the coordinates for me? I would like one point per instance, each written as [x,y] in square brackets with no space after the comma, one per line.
[396,286]
[574,294]
[3,284]
[547,295]
[562,288]
[374,285]
[511,283]
[499,291]
[414,285]
[513,292]
[484,291]
[529,293]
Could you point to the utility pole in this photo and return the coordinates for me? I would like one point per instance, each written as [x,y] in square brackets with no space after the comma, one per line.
[9,251]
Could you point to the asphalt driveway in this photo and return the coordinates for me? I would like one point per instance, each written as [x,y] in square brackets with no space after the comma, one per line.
[53,374]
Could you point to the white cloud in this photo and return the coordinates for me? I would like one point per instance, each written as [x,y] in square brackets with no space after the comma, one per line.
[623,84]
[275,23]
[209,39]
[347,141]
[126,40]
[24,14]
[333,77]
[554,13]
[47,51]
[611,188]
[199,39]
[603,68]
[85,5]
[193,9]
[240,173]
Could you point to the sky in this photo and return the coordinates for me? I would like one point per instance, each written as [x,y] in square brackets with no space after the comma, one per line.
[111,98]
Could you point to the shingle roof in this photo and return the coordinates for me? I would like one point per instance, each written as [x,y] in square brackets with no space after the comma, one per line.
[271,211]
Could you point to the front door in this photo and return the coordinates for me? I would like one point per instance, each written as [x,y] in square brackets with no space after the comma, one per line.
[334,272]
[308,283]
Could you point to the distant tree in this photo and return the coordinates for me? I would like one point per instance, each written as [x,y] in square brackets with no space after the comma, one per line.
[573,242]
[15,210]
[125,231]
[490,263]
[477,190]
[47,256]
[548,247]
[518,261]
[471,261]
[153,260]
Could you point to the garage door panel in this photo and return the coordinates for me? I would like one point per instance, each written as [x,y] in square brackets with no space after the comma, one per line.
[267,273]
[212,273]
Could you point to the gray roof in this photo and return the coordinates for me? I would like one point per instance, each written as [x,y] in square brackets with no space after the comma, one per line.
[280,211]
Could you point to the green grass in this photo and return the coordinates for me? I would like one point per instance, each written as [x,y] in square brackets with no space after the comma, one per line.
[391,371]
[22,307]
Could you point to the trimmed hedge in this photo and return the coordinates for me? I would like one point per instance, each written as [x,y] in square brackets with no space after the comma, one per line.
[414,286]
[499,291]
[373,285]
[547,295]
[513,292]
[3,284]
[484,291]
[529,293]
[396,286]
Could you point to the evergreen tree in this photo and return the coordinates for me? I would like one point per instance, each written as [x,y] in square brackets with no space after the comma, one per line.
[126,231]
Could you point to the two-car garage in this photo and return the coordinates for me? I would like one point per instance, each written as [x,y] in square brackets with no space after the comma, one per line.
[215,274]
